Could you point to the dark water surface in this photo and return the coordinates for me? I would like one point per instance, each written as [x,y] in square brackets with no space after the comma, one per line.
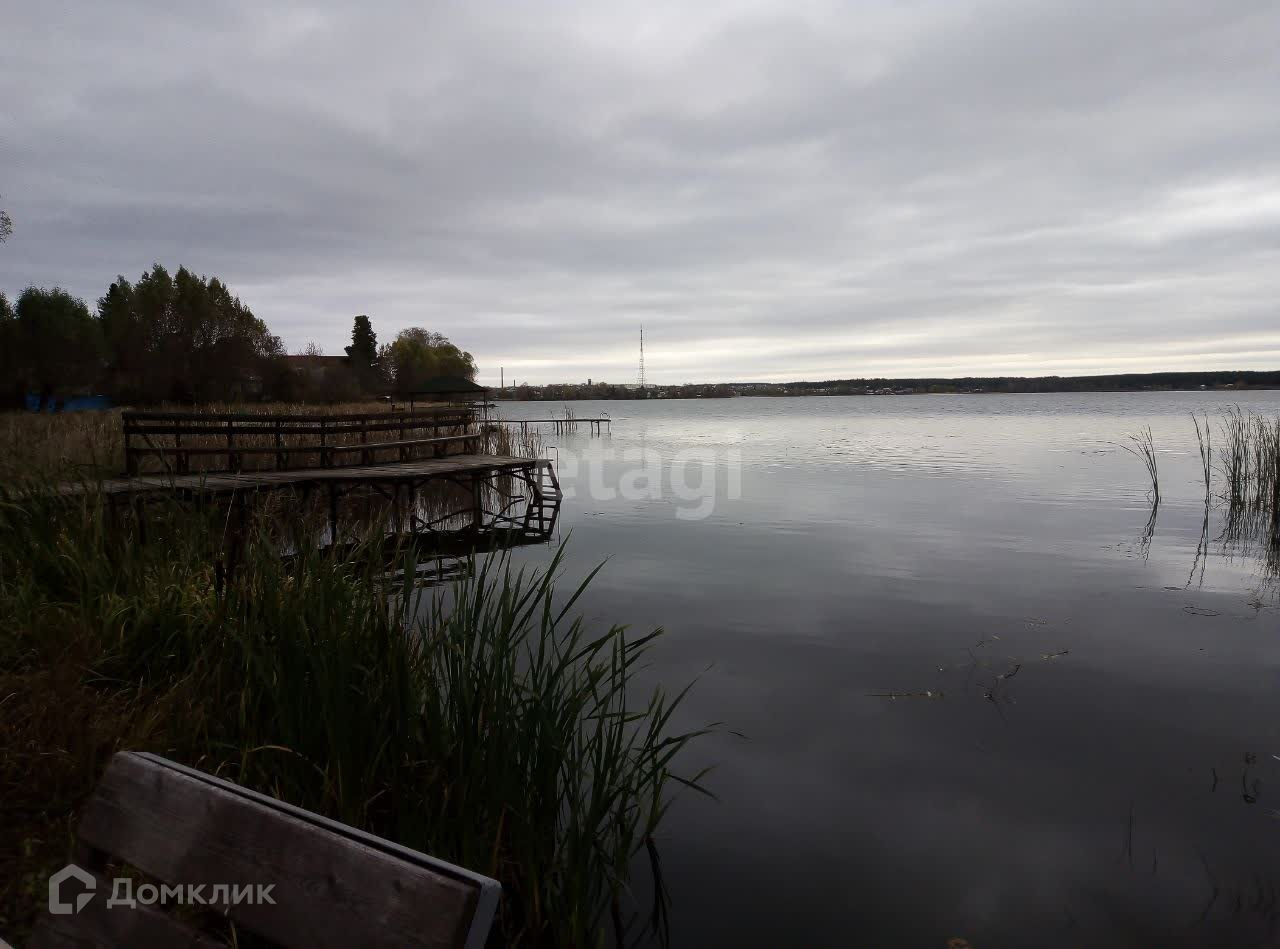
[1089,751]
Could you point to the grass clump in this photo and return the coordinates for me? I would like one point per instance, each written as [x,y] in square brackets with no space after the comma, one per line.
[507,438]
[482,724]
[1250,466]
[1234,457]
[1144,448]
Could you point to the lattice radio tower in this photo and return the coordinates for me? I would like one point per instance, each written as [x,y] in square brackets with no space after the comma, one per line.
[642,357]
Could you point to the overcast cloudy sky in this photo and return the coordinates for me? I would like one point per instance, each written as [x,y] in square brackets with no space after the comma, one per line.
[776,190]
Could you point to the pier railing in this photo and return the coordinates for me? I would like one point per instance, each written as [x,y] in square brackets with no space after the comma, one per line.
[183,442]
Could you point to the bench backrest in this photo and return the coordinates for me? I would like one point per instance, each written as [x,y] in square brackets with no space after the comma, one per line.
[182,442]
[331,885]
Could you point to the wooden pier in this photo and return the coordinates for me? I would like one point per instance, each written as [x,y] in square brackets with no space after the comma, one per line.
[340,455]
[563,426]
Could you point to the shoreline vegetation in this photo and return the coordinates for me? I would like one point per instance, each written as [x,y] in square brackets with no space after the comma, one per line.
[1247,460]
[187,339]
[1227,380]
[478,721]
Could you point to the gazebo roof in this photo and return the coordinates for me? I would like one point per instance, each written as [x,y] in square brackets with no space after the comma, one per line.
[448,385]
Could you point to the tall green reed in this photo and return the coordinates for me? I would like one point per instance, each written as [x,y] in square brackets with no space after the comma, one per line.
[1144,448]
[482,723]
[1204,439]
[1234,456]
[1250,464]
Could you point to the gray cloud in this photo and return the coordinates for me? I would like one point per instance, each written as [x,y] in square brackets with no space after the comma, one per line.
[806,189]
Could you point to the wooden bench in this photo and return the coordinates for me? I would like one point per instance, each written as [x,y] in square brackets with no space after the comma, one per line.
[221,437]
[332,885]
[326,453]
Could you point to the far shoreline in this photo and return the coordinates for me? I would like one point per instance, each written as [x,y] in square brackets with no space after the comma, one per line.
[1203,381]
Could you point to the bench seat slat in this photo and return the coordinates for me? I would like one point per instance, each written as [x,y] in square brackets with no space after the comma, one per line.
[98,925]
[266,418]
[166,435]
[330,890]
[296,449]
[442,440]
[271,428]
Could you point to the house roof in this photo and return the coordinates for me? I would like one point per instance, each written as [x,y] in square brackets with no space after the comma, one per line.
[306,359]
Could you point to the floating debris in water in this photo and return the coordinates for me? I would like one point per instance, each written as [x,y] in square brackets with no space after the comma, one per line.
[907,695]
[1199,611]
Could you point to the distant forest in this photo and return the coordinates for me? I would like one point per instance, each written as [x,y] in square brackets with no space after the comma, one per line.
[1129,382]
[1126,382]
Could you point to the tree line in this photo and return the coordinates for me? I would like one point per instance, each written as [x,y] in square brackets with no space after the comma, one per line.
[1119,382]
[187,338]
[601,391]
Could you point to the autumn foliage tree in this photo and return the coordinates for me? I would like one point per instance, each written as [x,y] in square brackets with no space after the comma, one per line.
[417,355]
[188,338]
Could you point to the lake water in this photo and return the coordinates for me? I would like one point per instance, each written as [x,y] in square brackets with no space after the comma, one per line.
[1084,746]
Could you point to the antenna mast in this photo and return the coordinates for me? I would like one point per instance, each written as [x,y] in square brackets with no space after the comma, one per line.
[642,357]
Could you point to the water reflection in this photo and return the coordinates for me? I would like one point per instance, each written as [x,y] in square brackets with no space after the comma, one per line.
[1202,548]
[1252,536]
[979,705]
[435,529]
[439,555]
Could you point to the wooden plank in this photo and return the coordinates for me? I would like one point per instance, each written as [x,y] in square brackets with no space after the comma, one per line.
[267,418]
[98,925]
[268,426]
[489,889]
[266,433]
[329,890]
[221,482]
[397,425]
[440,440]
[223,450]
[163,450]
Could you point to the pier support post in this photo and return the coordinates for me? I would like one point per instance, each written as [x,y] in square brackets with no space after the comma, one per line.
[477,507]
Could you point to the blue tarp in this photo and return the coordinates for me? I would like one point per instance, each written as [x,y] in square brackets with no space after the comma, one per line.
[77,403]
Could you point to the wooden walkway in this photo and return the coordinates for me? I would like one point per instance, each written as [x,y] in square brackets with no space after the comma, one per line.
[221,482]
[562,426]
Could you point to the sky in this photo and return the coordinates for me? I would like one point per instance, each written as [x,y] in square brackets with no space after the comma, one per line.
[774,190]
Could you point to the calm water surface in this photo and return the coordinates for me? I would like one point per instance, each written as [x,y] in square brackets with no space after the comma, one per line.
[976,702]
